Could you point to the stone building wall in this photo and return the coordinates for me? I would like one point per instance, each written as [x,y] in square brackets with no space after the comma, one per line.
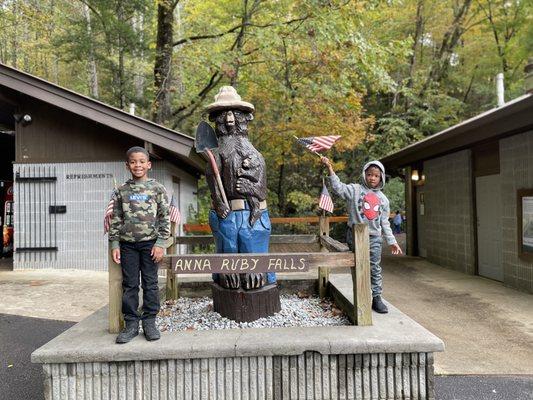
[78,232]
[516,171]
[446,228]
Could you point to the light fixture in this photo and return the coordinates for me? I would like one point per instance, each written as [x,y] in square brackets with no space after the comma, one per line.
[23,119]
[414,175]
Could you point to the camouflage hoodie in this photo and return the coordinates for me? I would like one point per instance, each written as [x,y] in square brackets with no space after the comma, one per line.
[140,213]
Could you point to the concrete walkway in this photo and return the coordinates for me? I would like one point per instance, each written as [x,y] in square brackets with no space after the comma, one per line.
[486,327]
[64,295]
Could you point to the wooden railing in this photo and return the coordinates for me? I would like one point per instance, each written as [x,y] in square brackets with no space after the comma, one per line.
[204,228]
[333,254]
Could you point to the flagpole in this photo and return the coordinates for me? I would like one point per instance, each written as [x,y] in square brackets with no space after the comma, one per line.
[312,151]
[323,184]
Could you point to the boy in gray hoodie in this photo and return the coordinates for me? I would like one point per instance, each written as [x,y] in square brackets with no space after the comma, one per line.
[368,205]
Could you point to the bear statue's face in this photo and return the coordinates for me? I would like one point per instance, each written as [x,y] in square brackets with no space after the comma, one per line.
[231,122]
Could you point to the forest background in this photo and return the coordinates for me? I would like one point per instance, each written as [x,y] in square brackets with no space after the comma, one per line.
[382,74]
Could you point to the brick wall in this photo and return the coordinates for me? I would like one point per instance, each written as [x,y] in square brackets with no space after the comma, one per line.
[446,228]
[85,189]
[516,170]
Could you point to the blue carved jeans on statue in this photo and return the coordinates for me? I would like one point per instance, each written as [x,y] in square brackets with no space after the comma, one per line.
[234,234]
[376,279]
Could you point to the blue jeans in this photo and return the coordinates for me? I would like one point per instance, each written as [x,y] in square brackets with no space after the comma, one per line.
[234,234]
[376,278]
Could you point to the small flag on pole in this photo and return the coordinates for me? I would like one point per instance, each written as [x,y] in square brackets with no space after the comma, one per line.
[175,215]
[325,203]
[109,212]
[318,143]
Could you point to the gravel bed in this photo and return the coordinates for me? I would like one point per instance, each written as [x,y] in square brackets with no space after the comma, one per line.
[197,314]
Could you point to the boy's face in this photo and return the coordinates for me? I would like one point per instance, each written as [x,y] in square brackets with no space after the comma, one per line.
[139,165]
[373,177]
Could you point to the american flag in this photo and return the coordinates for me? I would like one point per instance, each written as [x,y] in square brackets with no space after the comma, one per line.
[318,143]
[109,212]
[324,202]
[175,215]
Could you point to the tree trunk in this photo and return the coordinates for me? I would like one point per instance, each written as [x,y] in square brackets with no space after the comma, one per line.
[441,62]
[419,24]
[138,78]
[246,16]
[161,111]
[281,188]
[93,74]
[14,36]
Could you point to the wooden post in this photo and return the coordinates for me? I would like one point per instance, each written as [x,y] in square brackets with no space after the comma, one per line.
[410,212]
[172,279]
[362,295]
[116,319]
[323,272]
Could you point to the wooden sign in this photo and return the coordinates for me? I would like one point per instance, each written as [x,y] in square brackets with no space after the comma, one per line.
[246,263]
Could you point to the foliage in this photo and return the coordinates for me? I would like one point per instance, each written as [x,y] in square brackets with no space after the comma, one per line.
[380,74]
[394,190]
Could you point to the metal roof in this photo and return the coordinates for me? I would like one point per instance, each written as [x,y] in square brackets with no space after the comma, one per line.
[513,117]
[102,113]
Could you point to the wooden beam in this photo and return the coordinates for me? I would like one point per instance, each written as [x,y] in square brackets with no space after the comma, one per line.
[255,262]
[204,228]
[116,319]
[323,271]
[172,292]
[362,295]
[410,212]
[333,245]
[274,239]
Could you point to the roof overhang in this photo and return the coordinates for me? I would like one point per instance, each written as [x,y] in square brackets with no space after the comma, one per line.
[514,117]
[173,141]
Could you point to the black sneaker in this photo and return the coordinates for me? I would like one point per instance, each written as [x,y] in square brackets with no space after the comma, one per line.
[150,330]
[129,332]
[378,305]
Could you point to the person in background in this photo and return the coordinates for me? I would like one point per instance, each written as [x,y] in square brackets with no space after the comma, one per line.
[397,222]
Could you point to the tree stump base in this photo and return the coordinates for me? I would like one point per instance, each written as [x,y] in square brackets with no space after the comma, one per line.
[246,305]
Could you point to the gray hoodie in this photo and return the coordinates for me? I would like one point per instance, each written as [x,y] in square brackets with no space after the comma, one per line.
[366,205]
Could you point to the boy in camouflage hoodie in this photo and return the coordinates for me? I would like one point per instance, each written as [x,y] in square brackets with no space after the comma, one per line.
[139,229]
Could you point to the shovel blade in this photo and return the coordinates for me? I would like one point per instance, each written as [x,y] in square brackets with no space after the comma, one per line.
[206,139]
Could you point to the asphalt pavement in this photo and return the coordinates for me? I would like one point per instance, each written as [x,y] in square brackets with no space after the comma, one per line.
[19,337]
[21,380]
[484,387]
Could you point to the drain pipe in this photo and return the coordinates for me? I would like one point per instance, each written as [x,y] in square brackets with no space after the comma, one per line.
[500,89]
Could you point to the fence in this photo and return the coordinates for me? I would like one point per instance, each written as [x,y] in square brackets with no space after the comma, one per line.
[288,253]
[204,228]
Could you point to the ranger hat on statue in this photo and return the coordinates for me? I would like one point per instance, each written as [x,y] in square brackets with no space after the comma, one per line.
[228,98]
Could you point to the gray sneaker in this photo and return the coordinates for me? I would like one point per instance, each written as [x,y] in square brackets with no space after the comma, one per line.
[378,305]
[129,332]
[150,330]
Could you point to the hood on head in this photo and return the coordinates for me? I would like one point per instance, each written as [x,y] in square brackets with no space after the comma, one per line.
[381,168]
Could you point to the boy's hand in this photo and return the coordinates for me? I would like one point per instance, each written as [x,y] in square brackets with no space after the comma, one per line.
[327,163]
[157,254]
[116,255]
[395,249]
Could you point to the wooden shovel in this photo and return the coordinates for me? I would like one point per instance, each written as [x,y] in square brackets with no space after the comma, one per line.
[206,140]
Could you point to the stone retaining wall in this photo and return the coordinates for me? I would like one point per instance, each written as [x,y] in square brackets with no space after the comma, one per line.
[310,375]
